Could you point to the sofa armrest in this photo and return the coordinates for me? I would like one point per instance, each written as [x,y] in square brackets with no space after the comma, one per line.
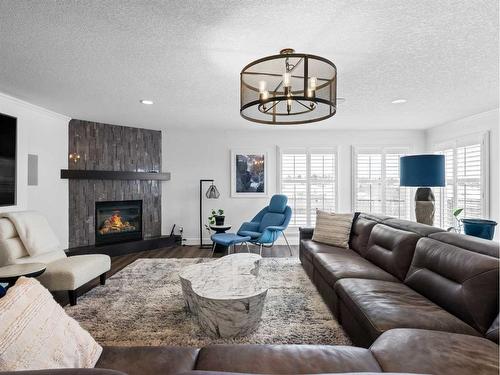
[306,233]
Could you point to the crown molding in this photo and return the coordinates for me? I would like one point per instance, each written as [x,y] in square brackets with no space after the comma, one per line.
[34,107]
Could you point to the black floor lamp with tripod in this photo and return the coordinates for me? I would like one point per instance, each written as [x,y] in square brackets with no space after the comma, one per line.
[212,193]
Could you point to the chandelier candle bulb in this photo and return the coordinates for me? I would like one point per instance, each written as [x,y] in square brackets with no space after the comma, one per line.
[264,95]
[312,83]
[262,86]
[286,79]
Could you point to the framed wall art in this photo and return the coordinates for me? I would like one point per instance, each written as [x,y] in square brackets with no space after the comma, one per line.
[249,173]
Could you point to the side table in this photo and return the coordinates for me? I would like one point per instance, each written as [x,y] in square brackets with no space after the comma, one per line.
[220,229]
[10,274]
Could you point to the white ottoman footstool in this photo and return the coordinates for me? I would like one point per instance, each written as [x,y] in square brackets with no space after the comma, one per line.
[72,272]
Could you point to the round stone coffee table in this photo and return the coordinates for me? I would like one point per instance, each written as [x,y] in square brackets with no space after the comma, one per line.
[225,295]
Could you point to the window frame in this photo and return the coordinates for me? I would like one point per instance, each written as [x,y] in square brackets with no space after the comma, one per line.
[383,150]
[308,151]
[483,138]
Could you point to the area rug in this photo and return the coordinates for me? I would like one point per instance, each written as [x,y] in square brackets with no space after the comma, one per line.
[143,305]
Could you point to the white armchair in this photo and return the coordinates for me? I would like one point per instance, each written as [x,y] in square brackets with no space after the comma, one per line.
[62,273]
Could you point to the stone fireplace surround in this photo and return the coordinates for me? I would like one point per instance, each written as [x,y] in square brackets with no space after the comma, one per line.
[112,148]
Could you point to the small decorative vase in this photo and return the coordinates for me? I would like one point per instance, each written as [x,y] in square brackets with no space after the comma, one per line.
[219,220]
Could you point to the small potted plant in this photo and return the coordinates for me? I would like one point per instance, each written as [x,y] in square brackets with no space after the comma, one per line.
[458,227]
[217,217]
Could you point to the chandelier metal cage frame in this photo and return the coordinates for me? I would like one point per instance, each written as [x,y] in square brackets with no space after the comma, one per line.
[293,88]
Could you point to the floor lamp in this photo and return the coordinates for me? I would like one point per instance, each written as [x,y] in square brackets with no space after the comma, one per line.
[212,193]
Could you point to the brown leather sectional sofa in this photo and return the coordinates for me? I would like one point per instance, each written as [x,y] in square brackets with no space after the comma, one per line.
[398,351]
[424,301]
[401,274]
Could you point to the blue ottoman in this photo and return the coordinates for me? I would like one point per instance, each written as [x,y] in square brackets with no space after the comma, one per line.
[228,240]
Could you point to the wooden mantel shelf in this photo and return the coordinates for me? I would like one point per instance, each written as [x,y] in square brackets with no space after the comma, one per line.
[112,175]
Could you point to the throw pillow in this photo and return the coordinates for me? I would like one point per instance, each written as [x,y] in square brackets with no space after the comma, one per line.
[333,229]
[36,333]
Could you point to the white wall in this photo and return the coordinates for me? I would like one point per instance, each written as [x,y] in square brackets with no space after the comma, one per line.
[486,121]
[45,134]
[191,156]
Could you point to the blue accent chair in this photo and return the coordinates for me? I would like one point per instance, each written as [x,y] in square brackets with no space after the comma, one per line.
[266,227]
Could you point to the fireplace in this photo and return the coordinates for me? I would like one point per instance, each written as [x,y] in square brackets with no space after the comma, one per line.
[118,221]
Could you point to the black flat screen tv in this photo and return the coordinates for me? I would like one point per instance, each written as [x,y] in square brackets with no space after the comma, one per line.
[8,132]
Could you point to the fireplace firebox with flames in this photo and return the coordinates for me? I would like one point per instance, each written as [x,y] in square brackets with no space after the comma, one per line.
[118,221]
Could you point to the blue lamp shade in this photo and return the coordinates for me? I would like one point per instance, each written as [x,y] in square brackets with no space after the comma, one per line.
[422,170]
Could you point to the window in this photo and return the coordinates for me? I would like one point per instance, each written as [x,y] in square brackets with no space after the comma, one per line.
[308,178]
[444,197]
[465,180]
[376,182]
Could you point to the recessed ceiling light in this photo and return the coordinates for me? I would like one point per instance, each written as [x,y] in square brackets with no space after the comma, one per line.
[147,102]
[399,101]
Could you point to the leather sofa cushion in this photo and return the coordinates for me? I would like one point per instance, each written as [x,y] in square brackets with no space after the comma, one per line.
[360,234]
[375,217]
[148,360]
[382,305]
[478,245]
[310,247]
[391,249]
[342,263]
[432,352]
[422,230]
[286,359]
[461,281]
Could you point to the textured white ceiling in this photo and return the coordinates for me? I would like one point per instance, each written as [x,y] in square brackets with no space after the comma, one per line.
[96,59]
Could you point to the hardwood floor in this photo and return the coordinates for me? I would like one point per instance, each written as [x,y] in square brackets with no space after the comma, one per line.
[121,261]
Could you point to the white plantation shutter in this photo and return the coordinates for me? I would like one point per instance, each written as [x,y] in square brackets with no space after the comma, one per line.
[322,183]
[369,182]
[469,180]
[465,180]
[294,185]
[397,199]
[308,178]
[376,182]
[445,196]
